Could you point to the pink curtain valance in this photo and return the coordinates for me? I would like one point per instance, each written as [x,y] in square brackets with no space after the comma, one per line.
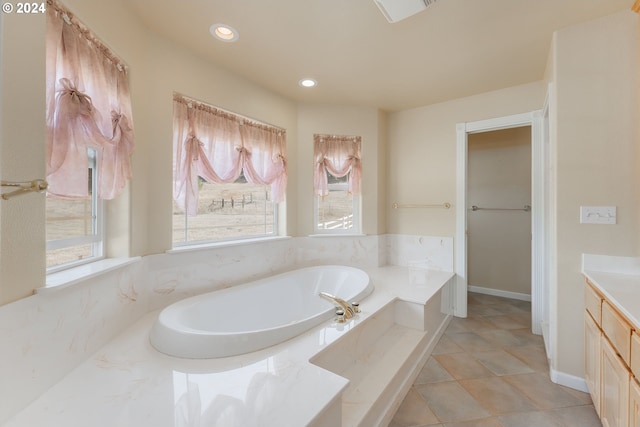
[88,106]
[218,146]
[339,156]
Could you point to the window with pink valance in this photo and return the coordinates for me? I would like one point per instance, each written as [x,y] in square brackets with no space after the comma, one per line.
[337,155]
[89,138]
[219,146]
[337,183]
[88,107]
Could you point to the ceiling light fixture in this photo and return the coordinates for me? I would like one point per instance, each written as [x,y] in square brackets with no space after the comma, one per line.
[224,32]
[308,83]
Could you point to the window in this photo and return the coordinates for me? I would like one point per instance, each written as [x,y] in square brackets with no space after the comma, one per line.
[90,137]
[337,182]
[74,227]
[229,175]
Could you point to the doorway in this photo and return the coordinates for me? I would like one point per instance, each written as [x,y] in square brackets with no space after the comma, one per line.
[499,221]
[463,130]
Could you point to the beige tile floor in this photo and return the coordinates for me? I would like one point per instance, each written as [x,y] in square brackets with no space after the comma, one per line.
[488,370]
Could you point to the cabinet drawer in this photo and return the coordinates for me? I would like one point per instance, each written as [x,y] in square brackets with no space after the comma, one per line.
[593,303]
[635,354]
[617,330]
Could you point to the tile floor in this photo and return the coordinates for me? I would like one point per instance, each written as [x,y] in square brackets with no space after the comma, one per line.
[488,370]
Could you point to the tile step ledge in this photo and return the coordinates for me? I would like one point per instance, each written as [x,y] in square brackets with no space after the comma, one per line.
[381,361]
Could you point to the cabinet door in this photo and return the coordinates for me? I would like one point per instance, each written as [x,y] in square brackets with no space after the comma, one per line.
[614,395]
[634,403]
[592,359]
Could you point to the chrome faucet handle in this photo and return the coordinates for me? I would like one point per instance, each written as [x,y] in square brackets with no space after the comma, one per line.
[340,315]
[356,306]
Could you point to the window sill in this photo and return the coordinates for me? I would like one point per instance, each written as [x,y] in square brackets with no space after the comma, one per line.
[64,279]
[205,246]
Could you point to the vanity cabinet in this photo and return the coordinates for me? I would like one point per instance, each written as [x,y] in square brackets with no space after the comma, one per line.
[592,341]
[612,361]
[614,399]
[634,403]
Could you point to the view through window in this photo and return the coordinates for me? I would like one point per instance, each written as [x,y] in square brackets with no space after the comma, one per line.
[336,210]
[73,227]
[227,212]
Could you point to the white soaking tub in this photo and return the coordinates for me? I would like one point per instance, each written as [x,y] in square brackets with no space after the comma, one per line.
[255,315]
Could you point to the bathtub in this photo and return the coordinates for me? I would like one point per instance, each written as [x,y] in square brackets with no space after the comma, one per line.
[255,315]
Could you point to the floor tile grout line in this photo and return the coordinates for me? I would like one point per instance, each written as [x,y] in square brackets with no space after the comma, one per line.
[467,326]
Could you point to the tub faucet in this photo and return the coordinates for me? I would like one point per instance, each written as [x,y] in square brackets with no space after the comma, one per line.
[350,310]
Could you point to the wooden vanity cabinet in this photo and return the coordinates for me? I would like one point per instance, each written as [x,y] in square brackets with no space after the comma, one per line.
[612,357]
[614,398]
[592,358]
[634,403]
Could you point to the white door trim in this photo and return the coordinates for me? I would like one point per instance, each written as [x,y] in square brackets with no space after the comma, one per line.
[533,119]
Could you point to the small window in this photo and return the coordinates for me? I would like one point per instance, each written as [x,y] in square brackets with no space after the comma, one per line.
[238,210]
[74,226]
[337,184]
[337,212]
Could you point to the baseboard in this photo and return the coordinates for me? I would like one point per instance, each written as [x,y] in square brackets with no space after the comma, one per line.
[499,293]
[546,337]
[567,380]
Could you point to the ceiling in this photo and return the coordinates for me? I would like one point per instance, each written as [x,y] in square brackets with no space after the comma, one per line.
[455,48]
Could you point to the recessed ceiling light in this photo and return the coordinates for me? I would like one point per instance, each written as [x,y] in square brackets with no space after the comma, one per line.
[308,83]
[224,32]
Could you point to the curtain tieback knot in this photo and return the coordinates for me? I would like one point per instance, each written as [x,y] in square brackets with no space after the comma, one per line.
[194,145]
[282,158]
[77,97]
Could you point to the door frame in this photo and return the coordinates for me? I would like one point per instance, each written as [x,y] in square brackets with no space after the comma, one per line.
[533,119]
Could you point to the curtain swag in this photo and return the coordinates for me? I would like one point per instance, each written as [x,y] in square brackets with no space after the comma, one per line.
[339,156]
[218,146]
[88,106]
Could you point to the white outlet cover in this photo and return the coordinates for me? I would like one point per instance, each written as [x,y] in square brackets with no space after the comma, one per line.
[598,215]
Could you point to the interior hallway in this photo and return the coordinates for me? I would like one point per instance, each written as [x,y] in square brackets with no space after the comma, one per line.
[488,370]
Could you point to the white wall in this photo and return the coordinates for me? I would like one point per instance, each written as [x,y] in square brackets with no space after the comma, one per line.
[366,122]
[422,154]
[22,139]
[596,78]
[499,242]
[139,221]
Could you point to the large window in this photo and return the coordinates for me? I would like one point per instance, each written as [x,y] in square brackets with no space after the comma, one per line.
[229,175]
[337,182]
[74,227]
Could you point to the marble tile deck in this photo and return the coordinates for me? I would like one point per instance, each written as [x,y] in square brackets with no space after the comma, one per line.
[488,370]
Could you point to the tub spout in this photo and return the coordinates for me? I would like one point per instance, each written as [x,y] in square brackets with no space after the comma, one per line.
[349,310]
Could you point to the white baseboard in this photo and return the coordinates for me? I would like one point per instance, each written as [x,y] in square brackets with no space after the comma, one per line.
[567,380]
[499,293]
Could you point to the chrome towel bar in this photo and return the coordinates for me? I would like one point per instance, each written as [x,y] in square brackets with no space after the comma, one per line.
[526,208]
[442,205]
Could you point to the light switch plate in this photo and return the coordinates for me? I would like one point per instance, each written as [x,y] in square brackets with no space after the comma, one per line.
[598,214]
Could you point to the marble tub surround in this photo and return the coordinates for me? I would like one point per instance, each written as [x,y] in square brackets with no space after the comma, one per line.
[435,253]
[618,278]
[126,382]
[45,336]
